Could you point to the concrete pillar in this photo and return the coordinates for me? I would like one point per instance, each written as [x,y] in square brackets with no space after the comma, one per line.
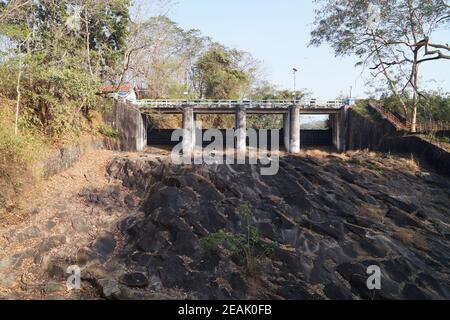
[287,129]
[333,129]
[241,129]
[131,125]
[194,133]
[343,129]
[188,130]
[141,135]
[294,129]
[337,124]
[338,128]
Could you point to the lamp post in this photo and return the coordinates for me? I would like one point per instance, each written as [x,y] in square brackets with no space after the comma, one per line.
[295,78]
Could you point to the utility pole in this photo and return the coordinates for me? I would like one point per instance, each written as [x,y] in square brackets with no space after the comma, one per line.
[295,80]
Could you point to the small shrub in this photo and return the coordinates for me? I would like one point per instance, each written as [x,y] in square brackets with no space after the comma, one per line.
[18,155]
[248,248]
[374,166]
[107,131]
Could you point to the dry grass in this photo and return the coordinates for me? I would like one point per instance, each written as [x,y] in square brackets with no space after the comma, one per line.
[316,153]
[410,238]
[372,212]
[165,122]
[411,165]
[404,235]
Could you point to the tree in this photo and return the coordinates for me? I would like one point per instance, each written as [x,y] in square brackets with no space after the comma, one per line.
[160,55]
[217,75]
[266,91]
[394,36]
[61,51]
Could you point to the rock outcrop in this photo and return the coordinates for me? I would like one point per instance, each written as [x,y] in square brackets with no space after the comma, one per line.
[150,230]
[330,217]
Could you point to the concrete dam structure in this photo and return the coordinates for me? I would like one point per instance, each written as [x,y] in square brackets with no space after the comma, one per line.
[131,121]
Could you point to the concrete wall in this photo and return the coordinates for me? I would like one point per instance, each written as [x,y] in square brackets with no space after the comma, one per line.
[130,124]
[338,125]
[434,156]
[365,133]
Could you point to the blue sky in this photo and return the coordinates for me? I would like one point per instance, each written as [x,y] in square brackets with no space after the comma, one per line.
[277,33]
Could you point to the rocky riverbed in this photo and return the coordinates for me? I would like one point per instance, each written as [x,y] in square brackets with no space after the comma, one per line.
[226,232]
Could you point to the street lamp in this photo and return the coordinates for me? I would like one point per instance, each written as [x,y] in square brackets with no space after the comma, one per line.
[295,76]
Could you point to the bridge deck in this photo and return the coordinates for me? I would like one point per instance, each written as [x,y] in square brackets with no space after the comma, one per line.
[229,106]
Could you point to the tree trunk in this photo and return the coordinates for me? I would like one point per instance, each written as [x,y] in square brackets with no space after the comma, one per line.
[19,76]
[415,94]
[88,35]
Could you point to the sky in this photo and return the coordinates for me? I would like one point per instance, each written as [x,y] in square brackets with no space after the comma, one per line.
[277,33]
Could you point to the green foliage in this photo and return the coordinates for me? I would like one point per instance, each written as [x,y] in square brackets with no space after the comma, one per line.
[392,37]
[266,91]
[218,76]
[14,31]
[443,139]
[265,121]
[62,61]
[211,242]
[21,149]
[247,247]
[107,131]
[345,25]
[363,109]
[18,154]
[433,105]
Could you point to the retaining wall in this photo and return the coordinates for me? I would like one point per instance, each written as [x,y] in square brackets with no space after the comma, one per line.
[130,124]
[365,133]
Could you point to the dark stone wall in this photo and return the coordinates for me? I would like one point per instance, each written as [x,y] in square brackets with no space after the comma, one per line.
[443,134]
[65,158]
[434,156]
[162,137]
[365,133]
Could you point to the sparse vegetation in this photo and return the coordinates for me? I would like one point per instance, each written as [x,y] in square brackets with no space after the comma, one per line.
[18,156]
[361,160]
[411,164]
[410,238]
[247,247]
[441,141]
[363,109]
[107,131]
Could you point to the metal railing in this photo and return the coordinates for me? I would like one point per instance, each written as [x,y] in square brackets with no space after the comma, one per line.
[389,116]
[405,125]
[432,126]
[231,103]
